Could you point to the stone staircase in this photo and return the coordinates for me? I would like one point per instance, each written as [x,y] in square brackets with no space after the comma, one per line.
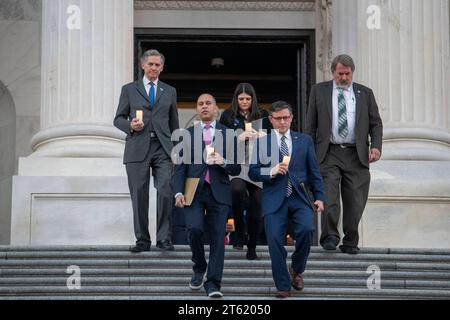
[112,272]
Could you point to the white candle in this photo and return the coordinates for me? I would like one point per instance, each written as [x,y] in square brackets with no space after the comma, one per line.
[286,159]
[139,115]
[209,151]
[248,127]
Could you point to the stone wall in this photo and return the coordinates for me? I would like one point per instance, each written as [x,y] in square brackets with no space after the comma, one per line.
[20,82]
[20,65]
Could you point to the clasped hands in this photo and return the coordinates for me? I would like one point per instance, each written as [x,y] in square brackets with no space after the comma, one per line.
[136,124]
[215,158]
[251,134]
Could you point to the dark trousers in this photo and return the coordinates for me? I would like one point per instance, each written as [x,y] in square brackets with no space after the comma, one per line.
[206,214]
[303,230]
[242,189]
[343,174]
[139,180]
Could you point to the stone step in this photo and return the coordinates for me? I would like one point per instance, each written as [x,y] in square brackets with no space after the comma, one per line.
[227,281]
[228,272]
[229,255]
[183,291]
[125,248]
[229,263]
[112,272]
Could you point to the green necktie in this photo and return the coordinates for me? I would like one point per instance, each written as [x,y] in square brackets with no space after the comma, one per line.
[342,114]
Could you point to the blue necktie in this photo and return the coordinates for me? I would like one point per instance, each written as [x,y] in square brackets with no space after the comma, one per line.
[151,95]
[285,152]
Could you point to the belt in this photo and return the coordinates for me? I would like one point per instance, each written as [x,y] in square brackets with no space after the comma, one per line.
[345,145]
[153,135]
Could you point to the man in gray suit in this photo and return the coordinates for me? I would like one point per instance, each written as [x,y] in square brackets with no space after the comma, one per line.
[341,117]
[148,144]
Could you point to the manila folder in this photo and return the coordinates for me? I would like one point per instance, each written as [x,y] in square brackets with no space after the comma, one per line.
[190,187]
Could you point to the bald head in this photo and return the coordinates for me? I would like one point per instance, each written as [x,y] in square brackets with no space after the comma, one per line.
[206,107]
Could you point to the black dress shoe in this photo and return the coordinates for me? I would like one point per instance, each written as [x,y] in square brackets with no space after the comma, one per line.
[140,247]
[251,254]
[329,244]
[165,245]
[348,249]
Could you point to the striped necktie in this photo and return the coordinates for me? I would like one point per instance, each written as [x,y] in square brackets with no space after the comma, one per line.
[342,114]
[285,152]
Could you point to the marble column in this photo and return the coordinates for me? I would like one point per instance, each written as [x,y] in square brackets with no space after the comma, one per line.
[72,190]
[87,50]
[7,159]
[401,51]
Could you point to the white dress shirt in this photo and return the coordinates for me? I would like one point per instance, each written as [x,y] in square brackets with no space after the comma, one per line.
[212,129]
[350,104]
[147,85]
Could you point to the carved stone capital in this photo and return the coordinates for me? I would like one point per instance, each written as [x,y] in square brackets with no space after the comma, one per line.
[324,37]
[291,5]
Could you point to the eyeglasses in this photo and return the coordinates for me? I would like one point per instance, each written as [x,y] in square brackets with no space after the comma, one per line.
[285,118]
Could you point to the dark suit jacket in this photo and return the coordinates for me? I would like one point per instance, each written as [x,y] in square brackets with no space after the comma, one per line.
[220,182]
[367,123]
[302,168]
[163,119]
[238,122]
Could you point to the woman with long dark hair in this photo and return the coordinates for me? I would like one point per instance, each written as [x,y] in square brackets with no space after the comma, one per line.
[244,109]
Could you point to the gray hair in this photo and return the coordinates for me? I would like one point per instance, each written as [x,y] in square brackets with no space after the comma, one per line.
[152,52]
[280,105]
[343,59]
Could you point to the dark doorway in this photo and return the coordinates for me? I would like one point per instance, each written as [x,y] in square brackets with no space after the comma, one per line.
[278,63]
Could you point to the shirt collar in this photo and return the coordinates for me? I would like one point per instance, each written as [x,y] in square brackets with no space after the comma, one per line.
[279,135]
[147,82]
[349,89]
[212,124]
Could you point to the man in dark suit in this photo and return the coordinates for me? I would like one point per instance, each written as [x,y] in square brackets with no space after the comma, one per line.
[148,144]
[212,199]
[341,117]
[287,183]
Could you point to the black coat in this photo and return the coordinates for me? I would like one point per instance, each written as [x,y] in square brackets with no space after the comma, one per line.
[239,122]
